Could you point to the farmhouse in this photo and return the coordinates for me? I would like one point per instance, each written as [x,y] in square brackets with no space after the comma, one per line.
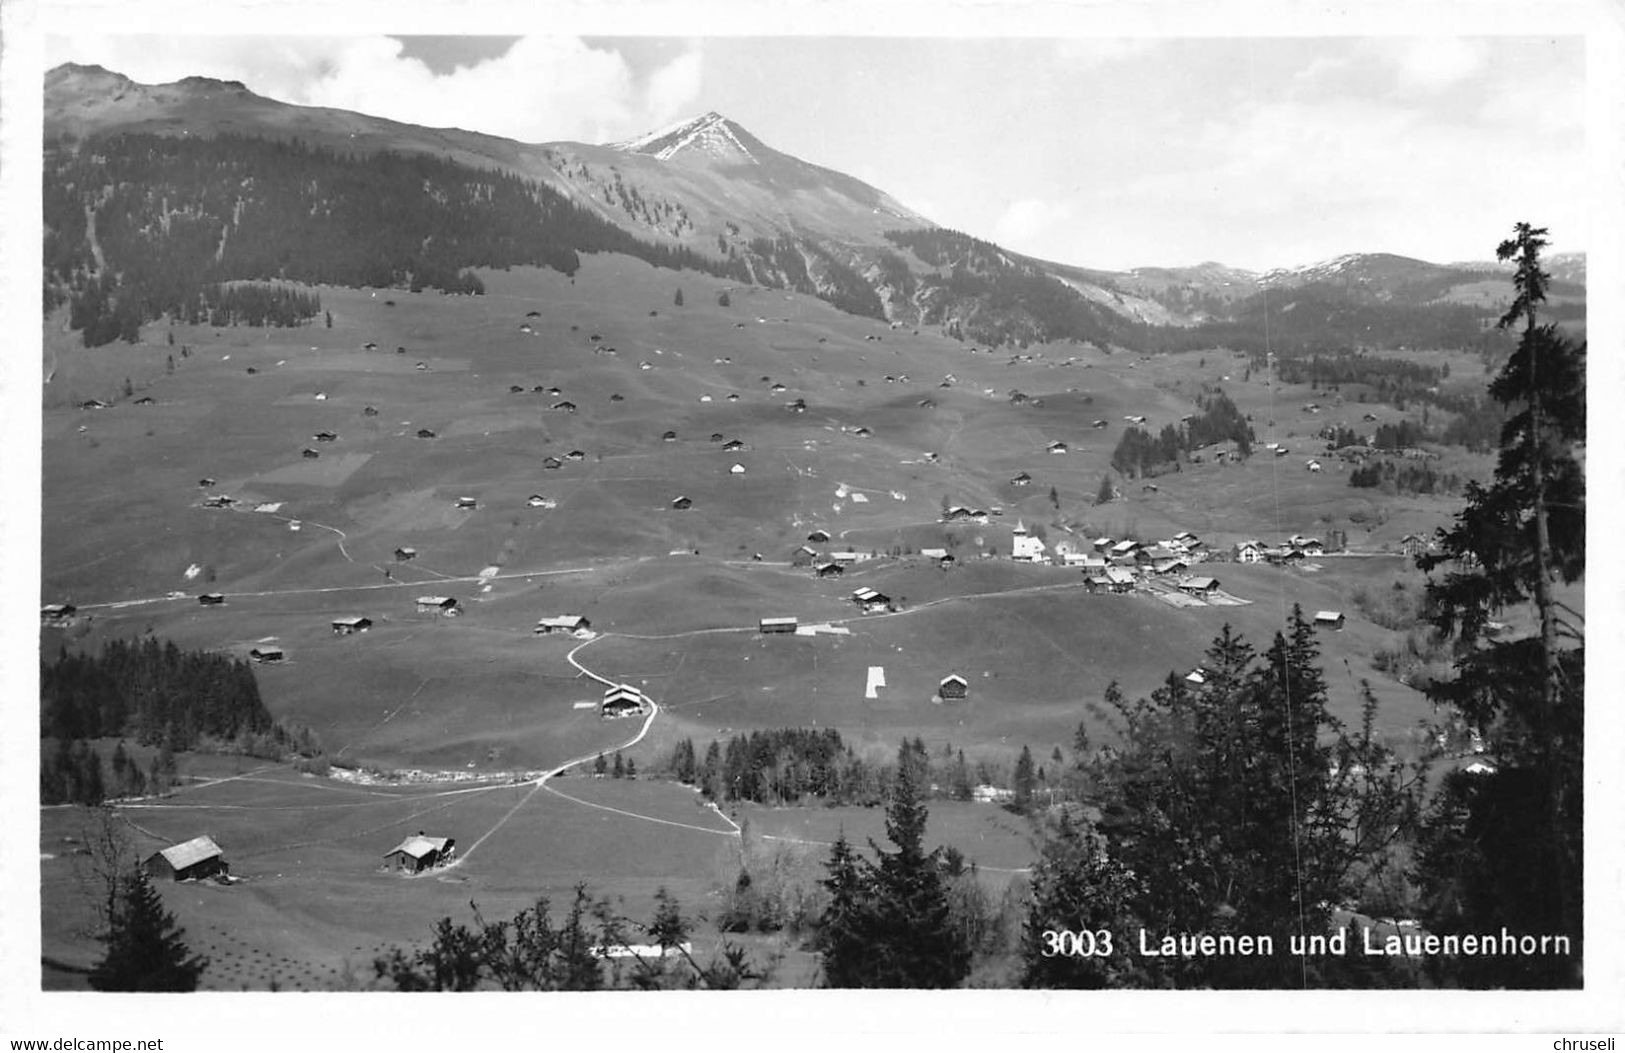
[1329,620]
[437,605]
[211,599]
[953,686]
[829,570]
[418,853]
[405,553]
[1021,479]
[56,613]
[872,601]
[803,557]
[353,624]
[266,654]
[563,623]
[1174,565]
[1119,580]
[189,860]
[682,503]
[622,700]
[1413,544]
[1250,552]
[1199,586]
[777,625]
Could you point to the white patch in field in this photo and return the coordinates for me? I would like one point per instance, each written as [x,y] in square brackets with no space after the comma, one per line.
[193,571]
[584,705]
[877,680]
[859,499]
[898,495]
[490,572]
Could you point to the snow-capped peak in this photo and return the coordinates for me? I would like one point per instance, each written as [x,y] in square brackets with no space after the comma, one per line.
[711,133]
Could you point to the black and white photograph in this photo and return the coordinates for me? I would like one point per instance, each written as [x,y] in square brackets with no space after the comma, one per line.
[730,510]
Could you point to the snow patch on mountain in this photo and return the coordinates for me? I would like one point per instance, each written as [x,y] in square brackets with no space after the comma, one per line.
[711,133]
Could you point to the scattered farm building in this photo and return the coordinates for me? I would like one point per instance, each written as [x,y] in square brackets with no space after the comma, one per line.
[426,433]
[211,599]
[1056,447]
[682,503]
[516,389]
[717,436]
[844,558]
[1021,479]
[803,557]
[188,861]
[309,454]
[1250,552]
[418,853]
[565,406]
[1199,586]
[541,501]
[552,463]
[622,700]
[777,625]
[353,624]
[871,601]
[1119,580]
[733,446]
[219,501]
[829,570]
[144,400]
[206,481]
[468,503]
[1329,620]
[56,613]
[669,436]
[370,411]
[819,537]
[325,436]
[576,455]
[404,553]
[737,469]
[437,605]
[953,686]
[563,623]
[863,433]
[266,654]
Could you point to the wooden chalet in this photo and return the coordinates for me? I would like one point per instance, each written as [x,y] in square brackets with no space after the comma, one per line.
[437,605]
[819,537]
[405,553]
[733,446]
[622,700]
[419,852]
[563,623]
[803,557]
[1332,620]
[681,503]
[198,858]
[56,613]
[350,625]
[829,569]
[266,654]
[953,686]
[1199,586]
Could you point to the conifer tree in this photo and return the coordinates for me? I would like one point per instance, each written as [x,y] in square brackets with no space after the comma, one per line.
[145,951]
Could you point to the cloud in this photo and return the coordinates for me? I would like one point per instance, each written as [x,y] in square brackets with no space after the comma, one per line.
[1030,224]
[1433,63]
[542,88]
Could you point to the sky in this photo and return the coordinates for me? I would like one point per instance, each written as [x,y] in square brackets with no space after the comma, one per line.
[1109,152]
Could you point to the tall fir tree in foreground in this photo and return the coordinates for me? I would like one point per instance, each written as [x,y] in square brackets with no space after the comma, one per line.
[889,922]
[1505,847]
[145,951]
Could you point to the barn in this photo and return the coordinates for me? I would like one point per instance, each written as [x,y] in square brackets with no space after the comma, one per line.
[419,852]
[437,605]
[777,625]
[622,700]
[829,570]
[1332,620]
[953,686]
[211,599]
[563,623]
[552,463]
[682,503]
[56,613]
[187,861]
[467,503]
[1199,586]
[346,626]
[266,654]
[405,553]
[425,433]
[803,557]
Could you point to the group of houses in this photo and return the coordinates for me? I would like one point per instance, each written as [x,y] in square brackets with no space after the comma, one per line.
[1293,550]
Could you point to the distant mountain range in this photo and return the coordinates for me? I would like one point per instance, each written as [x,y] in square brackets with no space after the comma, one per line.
[702,192]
